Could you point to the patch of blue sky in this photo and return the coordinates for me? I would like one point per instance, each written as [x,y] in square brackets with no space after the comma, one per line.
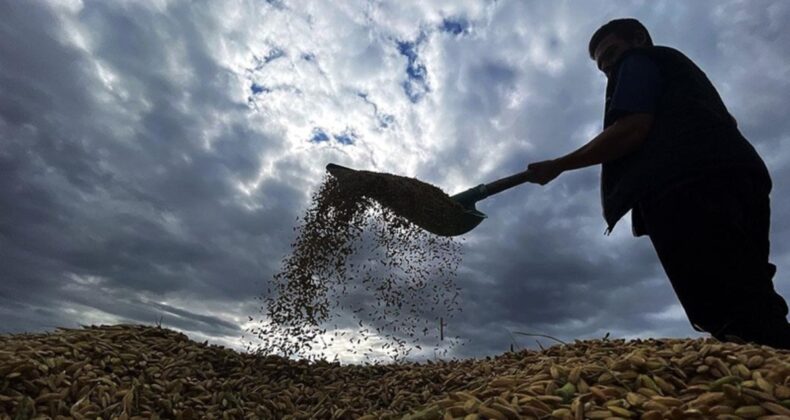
[270,56]
[415,89]
[416,85]
[256,89]
[273,54]
[454,26]
[346,138]
[408,49]
[384,120]
[319,136]
[416,71]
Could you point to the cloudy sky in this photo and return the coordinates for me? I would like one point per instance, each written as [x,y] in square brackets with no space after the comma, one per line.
[154,155]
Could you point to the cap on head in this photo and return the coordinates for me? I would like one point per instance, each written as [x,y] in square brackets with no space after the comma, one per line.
[627,29]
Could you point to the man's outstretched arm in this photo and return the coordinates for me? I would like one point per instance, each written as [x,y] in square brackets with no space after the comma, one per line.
[619,139]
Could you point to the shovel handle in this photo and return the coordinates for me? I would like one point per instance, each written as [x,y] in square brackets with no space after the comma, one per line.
[507,182]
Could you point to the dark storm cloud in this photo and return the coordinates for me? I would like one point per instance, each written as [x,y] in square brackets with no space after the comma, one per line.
[124,188]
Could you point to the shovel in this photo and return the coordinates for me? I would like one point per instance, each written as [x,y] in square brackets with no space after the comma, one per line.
[465,218]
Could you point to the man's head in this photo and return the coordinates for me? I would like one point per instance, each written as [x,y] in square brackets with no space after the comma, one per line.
[614,38]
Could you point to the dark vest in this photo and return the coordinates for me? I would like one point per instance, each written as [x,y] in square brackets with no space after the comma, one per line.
[693,134]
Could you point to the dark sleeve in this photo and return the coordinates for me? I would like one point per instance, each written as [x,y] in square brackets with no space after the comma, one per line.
[638,86]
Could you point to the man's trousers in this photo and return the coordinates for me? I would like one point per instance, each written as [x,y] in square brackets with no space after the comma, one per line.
[711,236]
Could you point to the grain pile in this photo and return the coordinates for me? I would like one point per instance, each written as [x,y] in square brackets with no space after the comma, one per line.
[134,371]
[358,234]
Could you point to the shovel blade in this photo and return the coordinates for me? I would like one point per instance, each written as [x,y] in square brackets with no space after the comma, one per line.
[338,171]
[469,220]
[454,224]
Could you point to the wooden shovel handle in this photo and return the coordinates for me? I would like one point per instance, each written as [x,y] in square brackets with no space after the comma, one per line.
[507,182]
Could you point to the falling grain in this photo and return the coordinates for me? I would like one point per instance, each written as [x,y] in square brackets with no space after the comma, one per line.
[359,247]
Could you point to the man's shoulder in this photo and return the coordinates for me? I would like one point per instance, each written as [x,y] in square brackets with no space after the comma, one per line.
[657,51]
[668,59]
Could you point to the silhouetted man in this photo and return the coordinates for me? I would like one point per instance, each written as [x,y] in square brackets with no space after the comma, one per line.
[673,155]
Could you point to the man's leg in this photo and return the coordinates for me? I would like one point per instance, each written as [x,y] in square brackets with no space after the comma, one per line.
[768,325]
[711,237]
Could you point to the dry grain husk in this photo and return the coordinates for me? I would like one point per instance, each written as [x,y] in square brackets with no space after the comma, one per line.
[134,371]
